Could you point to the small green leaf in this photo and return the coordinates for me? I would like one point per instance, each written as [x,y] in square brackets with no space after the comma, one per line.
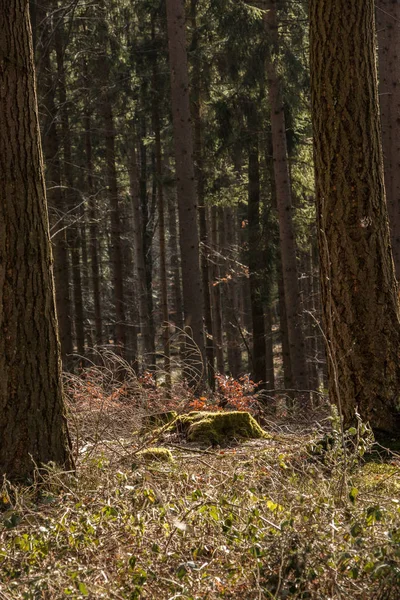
[83,589]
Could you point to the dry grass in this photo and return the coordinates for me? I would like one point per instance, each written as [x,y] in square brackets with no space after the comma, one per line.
[266,519]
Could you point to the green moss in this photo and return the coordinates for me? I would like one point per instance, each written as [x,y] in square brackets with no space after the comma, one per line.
[218,428]
[158,419]
[156,454]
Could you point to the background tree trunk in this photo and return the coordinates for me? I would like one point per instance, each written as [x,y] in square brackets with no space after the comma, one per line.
[284,206]
[388,28]
[186,186]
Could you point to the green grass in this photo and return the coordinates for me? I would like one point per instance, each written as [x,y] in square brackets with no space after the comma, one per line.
[265,519]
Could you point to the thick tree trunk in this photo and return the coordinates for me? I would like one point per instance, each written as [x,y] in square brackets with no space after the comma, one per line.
[186,185]
[359,289]
[284,205]
[388,28]
[32,421]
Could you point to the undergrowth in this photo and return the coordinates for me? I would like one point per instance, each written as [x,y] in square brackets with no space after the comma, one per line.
[295,516]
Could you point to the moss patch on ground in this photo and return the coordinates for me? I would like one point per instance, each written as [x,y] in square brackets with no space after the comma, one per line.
[218,428]
[156,454]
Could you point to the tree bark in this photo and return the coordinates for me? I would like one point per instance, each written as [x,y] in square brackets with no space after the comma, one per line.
[116,242]
[73,199]
[216,294]
[186,185]
[199,175]
[33,426]
[55,196]
[161,225]
[359,288]
[388,28]
[138,192]
[259,368]
[93,229]
[284,205]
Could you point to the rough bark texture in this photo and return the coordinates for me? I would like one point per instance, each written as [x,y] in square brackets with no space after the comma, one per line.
[284,206]
[359,289]
[32,420]
[186,186]
[388,28]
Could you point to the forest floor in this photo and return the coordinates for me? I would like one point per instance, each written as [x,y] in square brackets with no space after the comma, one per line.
[286,517]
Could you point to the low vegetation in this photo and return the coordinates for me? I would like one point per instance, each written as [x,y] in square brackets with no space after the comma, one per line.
[303,512]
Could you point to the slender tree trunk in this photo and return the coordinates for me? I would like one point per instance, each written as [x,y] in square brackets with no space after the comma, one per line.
[33,427]
[269,339]
[93,230]
[216,294]
[359,288]
[138,191]
[186,186]
[161,227]
[73,198]
[255,265]
[388,28]
[199,175]
[284,205]
[56,200]
[286,359]
[176,280]
[116,243]
[230,313]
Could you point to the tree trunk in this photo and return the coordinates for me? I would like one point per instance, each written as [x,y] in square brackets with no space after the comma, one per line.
[359,289]
[284,205]
[186,186]
[161,225]
[93,230]
[259,368]
[33,427]
[176,279]
[199,175]
[138,192]
[116,243]
[216,294]
[73,198]
[388,27]
[283,328]
[230,312]
[55,197]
